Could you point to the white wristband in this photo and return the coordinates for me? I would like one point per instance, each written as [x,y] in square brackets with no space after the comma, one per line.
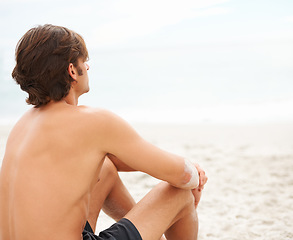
[194,180]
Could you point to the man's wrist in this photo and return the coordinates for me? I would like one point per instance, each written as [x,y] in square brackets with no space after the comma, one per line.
[191,170]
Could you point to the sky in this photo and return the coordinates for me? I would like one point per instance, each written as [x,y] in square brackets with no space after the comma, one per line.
[169,61]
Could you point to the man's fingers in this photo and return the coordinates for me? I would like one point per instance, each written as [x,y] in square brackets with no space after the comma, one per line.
[203,178]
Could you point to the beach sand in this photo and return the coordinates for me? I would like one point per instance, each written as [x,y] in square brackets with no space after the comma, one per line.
[249,194]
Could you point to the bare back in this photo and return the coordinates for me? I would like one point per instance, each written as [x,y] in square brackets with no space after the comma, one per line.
[52,161]
[48,169]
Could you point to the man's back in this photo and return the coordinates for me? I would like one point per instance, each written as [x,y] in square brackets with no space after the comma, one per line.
[49,164]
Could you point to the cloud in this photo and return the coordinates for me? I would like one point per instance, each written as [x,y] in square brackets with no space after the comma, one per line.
[107,23]
[289,19]
[25,1]
[137,18]
[18,1]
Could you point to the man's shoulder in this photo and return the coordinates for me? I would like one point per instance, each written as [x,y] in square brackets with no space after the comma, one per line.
[99,113]
[99,116]
[103,117]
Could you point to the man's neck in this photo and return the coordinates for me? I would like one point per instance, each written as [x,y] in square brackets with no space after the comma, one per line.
[71,98]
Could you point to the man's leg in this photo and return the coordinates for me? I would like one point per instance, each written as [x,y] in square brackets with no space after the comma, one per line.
[191,219]
[169,210]
[109,194]
[165,209]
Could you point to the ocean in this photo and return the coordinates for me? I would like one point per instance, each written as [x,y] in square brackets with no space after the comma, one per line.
[191,62]
[157,86]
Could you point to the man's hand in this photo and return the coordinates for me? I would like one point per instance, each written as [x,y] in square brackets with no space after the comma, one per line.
[202,181]
[202,177]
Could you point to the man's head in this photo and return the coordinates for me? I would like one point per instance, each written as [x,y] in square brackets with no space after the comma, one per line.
[43,56]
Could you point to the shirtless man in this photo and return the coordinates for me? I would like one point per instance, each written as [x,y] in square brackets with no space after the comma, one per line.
[61,160]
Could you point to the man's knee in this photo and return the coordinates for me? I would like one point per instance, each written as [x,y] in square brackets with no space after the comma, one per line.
[183,197]
[185,202]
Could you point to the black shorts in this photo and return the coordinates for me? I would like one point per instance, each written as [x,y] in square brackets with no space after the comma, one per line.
[122,230]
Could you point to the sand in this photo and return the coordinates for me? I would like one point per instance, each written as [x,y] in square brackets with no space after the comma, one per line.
[249,194]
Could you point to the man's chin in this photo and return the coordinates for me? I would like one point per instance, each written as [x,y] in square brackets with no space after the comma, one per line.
[87,90]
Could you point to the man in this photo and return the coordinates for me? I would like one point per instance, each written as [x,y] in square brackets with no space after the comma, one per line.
[61,160]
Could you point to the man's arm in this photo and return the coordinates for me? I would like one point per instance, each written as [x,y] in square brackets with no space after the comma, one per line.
[121,166]
[122,141]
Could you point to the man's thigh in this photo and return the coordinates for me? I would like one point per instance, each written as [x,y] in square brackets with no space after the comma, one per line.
[159,209]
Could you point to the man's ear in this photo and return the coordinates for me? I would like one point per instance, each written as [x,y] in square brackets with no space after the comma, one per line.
[72,71]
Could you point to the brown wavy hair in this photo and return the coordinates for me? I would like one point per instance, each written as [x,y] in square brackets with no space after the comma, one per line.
[43,55]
